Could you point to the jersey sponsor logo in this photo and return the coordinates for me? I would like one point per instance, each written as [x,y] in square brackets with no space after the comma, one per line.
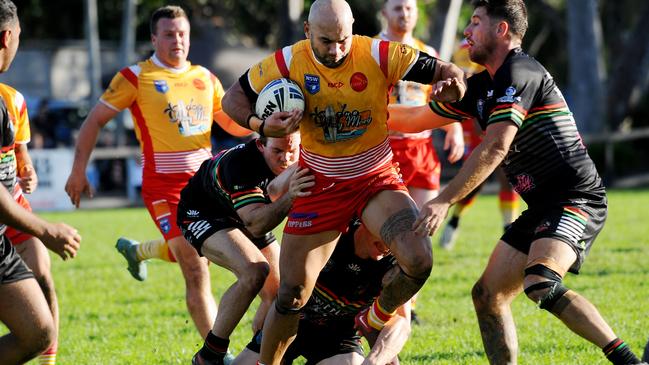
[358,81]
[199,84]
[298,215]
[509,96]
[191,118]
[335,85]
[354,267]
[524,183]
[312,83]
[299,224]
[161,86]
[341,125]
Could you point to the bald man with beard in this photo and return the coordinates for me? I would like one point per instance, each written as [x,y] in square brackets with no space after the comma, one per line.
[346,79]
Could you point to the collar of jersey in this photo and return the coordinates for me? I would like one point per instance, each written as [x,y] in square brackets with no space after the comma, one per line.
[159,63]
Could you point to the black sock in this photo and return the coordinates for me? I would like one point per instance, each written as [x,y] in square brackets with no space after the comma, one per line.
[454,221]
[214,347]
[619,353]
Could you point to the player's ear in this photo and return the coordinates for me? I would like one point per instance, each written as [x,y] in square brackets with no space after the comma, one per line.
[5,37]
[306,30]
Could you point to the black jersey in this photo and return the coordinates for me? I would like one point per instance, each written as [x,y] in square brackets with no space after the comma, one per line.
[7,154]
[346,285]
[547,160]
[229,181]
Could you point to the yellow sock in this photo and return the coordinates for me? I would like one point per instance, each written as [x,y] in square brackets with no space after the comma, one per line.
[155,249]
[377,316]
[49,356]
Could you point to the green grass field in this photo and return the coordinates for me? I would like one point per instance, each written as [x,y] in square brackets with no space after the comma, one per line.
[109,318]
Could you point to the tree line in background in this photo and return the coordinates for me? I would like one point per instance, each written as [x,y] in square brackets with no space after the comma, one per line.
[620,27]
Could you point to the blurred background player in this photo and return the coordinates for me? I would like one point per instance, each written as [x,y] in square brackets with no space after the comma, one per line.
[173,104]
[350,281]
[227,212]
[24,308]
[30,248]
[508,201]
[419,164]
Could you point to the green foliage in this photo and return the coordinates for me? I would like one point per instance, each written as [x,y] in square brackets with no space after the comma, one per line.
[109,318]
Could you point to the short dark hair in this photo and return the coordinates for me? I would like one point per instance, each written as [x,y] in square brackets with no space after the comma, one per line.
[169,12]
[8,13]
[514,12]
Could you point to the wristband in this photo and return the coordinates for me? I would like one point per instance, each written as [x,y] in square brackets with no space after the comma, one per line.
[261,128]
[248,120]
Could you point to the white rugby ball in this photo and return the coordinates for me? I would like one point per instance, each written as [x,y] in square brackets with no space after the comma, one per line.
[279,95]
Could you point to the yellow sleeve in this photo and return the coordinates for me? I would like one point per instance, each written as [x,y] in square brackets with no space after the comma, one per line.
[401,57]
[218,93]
[23,132]
[266,71]
[122,91]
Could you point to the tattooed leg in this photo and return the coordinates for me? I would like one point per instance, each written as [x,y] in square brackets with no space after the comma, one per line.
[413,254]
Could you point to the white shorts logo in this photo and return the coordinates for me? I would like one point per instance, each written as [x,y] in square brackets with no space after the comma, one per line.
[198,228]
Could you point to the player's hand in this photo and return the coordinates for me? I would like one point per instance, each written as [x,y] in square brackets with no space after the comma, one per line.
[280,124]
[300,182]
[28,180]
[431,216]
[448,90]
[454,145]
[76,185]
[62,239]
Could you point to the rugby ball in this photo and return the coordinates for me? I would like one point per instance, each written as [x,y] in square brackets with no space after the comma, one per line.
[279,95]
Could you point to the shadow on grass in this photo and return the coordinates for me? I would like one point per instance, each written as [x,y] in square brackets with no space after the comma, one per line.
[461,357]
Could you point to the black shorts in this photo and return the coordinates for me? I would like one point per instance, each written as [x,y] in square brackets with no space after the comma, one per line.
[316,343]
[197,226]
[12,267]
[576,224]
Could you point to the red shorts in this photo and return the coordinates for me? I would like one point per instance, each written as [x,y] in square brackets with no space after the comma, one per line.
[418,162]
[161,196]
[15,236]
[334,202]
[472,136]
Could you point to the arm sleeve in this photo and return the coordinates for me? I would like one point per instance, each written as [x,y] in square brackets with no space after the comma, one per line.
[23,132]
[260,74]
[122,91]
[218,93]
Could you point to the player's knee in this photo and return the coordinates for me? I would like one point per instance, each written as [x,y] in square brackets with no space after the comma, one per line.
[39,338]
[481,295]
[544,286]
[254,276]
[291,297]
[417,265]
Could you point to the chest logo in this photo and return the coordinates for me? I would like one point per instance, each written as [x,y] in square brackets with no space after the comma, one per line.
[199,84]
[509,96]
[312,83]
[161,86]
[358,81]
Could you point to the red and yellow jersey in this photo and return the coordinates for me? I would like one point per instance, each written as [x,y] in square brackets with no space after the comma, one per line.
[344,131]
[412,93]
[17,109]
[17,132]
[173,112]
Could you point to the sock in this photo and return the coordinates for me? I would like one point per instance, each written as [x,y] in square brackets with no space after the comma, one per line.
[49,356]
[619,353]
[155,249]
[214,347]
[377,316]
[508,203]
